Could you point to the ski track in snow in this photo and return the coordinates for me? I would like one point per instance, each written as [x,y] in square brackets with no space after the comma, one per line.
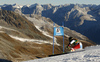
[91,54]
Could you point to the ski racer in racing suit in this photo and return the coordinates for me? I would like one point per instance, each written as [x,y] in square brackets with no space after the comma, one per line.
[74,44]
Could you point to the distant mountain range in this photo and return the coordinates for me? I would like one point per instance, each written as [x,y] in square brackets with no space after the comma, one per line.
[82,18]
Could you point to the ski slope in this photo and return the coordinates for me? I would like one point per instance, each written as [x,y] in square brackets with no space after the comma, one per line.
[91,54]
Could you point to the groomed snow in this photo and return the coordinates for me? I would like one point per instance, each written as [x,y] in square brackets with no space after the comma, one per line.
[91,54]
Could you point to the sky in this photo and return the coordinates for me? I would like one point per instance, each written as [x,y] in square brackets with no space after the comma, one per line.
[54,2]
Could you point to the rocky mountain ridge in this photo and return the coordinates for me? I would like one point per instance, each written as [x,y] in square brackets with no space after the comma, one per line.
[83,18]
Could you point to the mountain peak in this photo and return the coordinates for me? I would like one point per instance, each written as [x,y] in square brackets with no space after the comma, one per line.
[15,4]
[33,5]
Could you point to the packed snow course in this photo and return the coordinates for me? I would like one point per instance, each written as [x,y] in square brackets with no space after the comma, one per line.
[91,54]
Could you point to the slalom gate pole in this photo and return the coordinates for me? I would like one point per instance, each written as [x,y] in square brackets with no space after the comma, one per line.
[63,36]
[63,44]
[53,45]
[53,38]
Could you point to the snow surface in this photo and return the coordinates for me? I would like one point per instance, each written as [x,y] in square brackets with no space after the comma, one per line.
[91,54]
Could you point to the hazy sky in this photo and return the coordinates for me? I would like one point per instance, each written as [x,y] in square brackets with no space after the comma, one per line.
[54,2]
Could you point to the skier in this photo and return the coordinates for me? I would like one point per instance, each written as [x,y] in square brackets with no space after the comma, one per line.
[74,44]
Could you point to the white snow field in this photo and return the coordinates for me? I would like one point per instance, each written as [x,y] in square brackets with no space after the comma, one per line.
[91,54]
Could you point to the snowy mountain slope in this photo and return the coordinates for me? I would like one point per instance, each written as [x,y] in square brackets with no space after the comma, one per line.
[91,54]
[17,6]
[17,38]
[25,37]
[33,40]
[45,26]
[15,50]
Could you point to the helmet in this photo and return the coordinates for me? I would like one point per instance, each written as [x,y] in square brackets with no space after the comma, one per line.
[70,38]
